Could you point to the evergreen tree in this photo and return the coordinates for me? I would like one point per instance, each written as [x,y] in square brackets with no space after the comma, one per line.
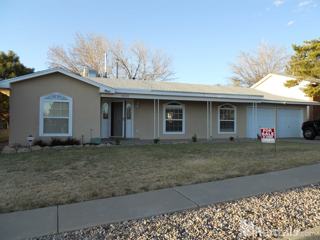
[10,66]
[304,65]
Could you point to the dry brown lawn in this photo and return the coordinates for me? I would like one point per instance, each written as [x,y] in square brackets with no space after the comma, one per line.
[50,177]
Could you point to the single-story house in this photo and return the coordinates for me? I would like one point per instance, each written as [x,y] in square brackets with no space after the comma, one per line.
[57,103]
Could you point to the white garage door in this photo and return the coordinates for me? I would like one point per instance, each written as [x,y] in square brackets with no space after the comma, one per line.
[289,123]
[264,118]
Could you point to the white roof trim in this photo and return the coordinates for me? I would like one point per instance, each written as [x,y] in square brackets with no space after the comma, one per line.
[212,98]
[6,83]
[187,94]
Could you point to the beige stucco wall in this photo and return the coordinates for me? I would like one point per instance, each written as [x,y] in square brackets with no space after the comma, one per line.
[25,101]
[195,119]
[143,119]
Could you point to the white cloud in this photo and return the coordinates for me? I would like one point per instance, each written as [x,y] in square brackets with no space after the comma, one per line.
[290,23]
[305,3]
[278,3]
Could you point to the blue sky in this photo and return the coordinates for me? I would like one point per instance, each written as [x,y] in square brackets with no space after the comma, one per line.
[201,36]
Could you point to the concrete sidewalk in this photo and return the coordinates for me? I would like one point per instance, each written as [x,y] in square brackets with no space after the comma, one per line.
[48,220]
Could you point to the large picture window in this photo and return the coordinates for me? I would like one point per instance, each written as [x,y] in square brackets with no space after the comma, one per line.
[173,118]
[55,115]
[227,119]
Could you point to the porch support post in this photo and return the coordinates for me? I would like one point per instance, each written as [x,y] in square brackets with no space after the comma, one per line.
[210,120]
[276,121]
[158,120]
[154,118]
[253,120]
[256,120]
[208,128]
[124,119]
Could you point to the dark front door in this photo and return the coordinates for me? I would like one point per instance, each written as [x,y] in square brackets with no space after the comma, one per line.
[116,119]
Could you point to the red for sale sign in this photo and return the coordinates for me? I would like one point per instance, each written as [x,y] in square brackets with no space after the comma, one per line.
[268,135]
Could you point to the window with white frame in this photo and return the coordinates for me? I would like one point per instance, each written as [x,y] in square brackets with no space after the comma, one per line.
[173,118]
[55,115]
[227,118]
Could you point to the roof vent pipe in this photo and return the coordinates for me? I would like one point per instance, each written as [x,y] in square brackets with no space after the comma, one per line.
[85,72]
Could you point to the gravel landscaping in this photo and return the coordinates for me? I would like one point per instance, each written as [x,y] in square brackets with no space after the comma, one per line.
[266,216]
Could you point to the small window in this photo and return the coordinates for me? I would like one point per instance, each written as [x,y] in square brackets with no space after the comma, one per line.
[105,110]
[173,118]
[227,118]
[128,111]
[55,115]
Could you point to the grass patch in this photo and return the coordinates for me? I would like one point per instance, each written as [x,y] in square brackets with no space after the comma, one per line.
[309,234]
[44,178]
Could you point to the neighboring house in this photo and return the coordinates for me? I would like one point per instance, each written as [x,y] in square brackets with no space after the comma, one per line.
[57,103]
[274,84]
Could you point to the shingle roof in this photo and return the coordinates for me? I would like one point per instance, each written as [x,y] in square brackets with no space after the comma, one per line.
[122,85]
[173,86]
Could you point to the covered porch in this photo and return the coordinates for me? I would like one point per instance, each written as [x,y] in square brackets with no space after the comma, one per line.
[166,119]
[159,118]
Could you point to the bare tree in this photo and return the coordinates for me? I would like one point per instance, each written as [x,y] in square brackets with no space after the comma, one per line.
[250,67]
[87,52]
[133,62]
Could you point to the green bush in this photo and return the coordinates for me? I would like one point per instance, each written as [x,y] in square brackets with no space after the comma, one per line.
[62,142]
[194,138]
[39,142]
[156,140]
[117,141]
[71,141]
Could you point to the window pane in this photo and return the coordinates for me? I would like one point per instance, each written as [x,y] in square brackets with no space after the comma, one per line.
[174,113]
[226,114]
[226,126]
[105,111]
[173,126]
[56,109]
[64,109]
[128,111]
[55,125]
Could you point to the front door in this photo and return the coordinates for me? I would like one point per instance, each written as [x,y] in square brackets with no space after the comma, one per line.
[129,117]
[117,119]
[105,120]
